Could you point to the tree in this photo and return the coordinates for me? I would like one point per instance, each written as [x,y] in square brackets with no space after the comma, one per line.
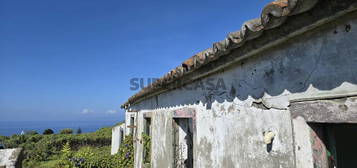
[79,131]
[47,132]
[66,156]
[66,131]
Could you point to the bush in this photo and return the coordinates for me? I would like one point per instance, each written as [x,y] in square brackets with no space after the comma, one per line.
[98,158]
[66,155]
[147,148]
[47,132]
[31,132]
[66,131]
[41,149]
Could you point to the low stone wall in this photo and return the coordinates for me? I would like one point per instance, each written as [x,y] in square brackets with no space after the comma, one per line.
[11,158]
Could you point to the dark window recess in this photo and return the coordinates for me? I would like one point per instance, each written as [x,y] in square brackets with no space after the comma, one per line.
[148,126]
[131,125]
[339,142]
[121,135]
[147,143]
[183,143]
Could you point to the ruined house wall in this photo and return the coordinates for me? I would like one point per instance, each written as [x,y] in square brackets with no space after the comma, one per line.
[118,133]
[230,123]
[128,119]
[11,158]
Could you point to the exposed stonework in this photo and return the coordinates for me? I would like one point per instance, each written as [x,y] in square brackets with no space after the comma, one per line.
[341,110]
[11,158]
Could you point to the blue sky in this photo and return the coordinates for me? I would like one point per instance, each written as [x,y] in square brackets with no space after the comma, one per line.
[73,60]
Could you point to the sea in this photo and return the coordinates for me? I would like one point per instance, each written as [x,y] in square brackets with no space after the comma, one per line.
[8,128]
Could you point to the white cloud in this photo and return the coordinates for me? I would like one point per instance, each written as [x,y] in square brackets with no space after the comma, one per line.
[112,111]
[87,111]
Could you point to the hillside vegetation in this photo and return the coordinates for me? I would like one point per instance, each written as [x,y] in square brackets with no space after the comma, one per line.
[88,150]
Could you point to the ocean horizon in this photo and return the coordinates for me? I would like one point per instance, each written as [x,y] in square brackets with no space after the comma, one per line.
[8,128]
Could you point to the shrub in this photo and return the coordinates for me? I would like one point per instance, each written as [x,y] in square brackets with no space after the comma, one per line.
[31,132]
[66,155]
[147,148]
[126,152]
[47,132]
[98,158]
[66,131]
[40,148]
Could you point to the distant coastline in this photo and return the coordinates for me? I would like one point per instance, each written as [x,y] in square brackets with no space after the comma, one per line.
[8,128]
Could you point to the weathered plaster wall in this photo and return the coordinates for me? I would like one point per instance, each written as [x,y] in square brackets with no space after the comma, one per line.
[128,116]
[231,135]
[162,144]
[117,134]
[138,157]
[230,123]
[318,63]
[303,150]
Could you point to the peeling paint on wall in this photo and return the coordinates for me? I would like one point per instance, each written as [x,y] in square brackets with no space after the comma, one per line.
[234,127]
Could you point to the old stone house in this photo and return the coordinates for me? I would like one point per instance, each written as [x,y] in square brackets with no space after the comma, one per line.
[279,93]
